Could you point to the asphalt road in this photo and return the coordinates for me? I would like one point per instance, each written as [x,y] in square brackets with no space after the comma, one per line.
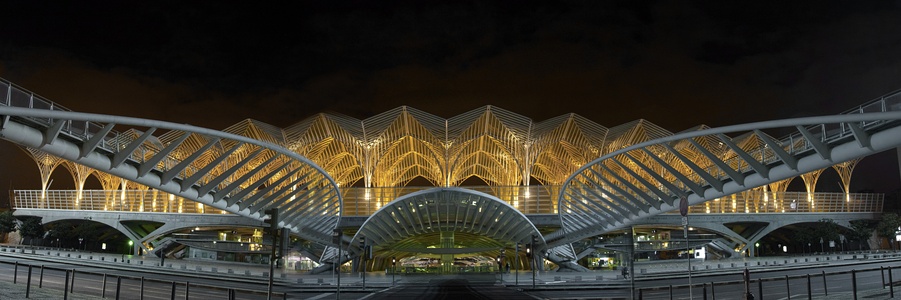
[768,282]
[99,281]
[475,286]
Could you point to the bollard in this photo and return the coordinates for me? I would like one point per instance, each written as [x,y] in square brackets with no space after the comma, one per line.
[172,296]
[809,290]
[759,288]
[825,291]
[28,284]
[746,277]
[66,287]
[118,286]
[854,283]
[41,278]
[787,288]
[891,284]
[103,287]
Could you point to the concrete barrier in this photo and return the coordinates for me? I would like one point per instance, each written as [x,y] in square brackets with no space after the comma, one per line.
[246,272]
[214,270]
[198,268]
[556,278]
[230,271]
[184,267]
[319,280]
[578,278]
[599,278]
[300,280]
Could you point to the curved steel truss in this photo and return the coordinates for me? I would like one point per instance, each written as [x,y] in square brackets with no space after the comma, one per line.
[645,179]
[412,223]
[232,173]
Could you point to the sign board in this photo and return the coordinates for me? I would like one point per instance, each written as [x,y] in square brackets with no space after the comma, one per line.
[683,206]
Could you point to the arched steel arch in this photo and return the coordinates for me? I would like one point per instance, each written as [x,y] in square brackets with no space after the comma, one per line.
[628,185]
[205,169]
[447,209]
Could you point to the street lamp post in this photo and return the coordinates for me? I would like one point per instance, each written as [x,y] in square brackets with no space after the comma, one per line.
[336,238]
[81,242]
[530,252]
[363,259]
[393,269]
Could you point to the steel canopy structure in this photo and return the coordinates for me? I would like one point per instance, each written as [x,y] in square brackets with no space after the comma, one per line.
[635,182]
[228,172]
[606,178]
[400,226]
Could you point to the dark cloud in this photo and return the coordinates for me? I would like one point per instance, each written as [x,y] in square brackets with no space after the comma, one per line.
[674,63]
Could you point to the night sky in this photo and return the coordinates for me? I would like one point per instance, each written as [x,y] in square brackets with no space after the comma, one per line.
[677,64]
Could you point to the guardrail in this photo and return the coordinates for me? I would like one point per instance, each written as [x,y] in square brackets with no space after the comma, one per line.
[526,199]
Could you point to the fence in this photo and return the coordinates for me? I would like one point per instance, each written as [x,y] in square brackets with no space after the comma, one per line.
[366,201]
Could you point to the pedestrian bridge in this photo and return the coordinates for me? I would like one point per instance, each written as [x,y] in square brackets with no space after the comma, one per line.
[116,208]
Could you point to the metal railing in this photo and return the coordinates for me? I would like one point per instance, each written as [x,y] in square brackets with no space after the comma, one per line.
[790,202]
[14,96]
[534,199]
[526,199]
[103,200]
[796,143]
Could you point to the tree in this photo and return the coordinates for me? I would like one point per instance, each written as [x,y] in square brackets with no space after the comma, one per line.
[861,230]
[824,231]
[7,222]
[804,237]
[888,227]
[31,228]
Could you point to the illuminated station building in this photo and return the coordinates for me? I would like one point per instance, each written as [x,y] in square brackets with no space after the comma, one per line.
[500,176]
